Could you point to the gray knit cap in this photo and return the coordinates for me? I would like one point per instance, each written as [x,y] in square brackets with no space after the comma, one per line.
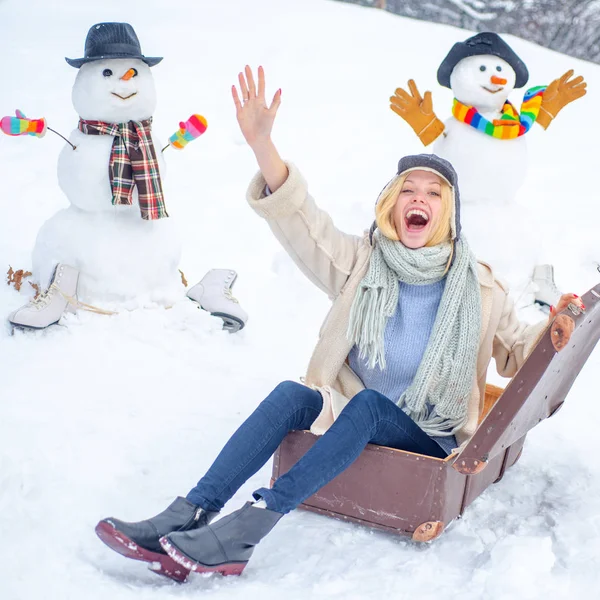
[438,165]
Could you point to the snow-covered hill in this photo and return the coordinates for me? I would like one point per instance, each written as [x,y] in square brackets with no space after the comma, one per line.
[116,415]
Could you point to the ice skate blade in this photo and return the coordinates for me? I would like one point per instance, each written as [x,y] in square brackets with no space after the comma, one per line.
[161,564]
[30,327]
[232,568]
[230,323]
[543,306]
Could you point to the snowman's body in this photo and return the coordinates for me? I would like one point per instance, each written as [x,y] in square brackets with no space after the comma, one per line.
[490,170]
[120,256]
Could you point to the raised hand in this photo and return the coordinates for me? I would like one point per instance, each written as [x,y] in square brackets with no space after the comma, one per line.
[558,94]
[254,117]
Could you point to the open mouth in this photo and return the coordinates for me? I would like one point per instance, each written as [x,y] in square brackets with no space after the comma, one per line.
[124,97]
[492,91]
[416,220]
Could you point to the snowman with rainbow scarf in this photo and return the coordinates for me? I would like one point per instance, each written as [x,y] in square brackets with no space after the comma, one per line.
[485,138]
[485,129]
[114,243]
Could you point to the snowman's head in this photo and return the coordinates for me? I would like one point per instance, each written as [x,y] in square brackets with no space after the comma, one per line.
[114,91]
[483,81]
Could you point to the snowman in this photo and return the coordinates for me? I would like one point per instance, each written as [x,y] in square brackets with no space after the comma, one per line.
[484,139]
[115,242]
[485,134]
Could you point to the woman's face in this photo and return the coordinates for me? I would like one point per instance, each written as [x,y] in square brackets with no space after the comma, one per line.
[418,208]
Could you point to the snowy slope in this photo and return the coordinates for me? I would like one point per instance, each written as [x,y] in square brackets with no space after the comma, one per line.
[115,416]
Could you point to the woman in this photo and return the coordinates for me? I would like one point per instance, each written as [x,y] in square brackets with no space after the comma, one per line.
[401,360]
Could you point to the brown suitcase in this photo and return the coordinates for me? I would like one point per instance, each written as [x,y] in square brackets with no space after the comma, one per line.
[418,496]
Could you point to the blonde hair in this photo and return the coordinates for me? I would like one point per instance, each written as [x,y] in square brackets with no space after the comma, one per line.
[384,211]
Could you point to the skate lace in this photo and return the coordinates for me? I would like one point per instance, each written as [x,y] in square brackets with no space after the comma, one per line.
[548,282]
[45,297]
[227,289]
[553,287]
[230,296]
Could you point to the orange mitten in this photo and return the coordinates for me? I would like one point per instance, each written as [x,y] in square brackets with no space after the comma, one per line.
[558,94]
[417,112]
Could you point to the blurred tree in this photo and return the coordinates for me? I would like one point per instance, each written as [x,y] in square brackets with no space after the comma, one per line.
[568,26]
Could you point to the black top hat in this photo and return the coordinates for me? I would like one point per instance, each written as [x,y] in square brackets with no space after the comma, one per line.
[486,42]
[112,40]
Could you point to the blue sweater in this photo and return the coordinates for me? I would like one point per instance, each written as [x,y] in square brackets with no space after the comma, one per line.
[406,336]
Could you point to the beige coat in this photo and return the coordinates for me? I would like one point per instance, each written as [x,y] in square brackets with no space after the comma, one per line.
[336,262]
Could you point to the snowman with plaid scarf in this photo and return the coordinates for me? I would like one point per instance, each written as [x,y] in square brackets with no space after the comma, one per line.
[115,242]
[485,138]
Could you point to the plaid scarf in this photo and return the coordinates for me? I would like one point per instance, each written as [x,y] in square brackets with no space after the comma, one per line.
[132,162]
[512,124]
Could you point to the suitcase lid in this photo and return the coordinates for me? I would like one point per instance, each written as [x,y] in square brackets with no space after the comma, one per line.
[540,386]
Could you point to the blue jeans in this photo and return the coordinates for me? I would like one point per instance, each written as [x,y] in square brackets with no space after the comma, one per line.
[369,417]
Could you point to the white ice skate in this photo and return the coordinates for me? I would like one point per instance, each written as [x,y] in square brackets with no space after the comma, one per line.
[213,294]
[546,294]
[48,308]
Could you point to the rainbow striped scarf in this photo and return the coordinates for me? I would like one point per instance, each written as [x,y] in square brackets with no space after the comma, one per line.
[512,124]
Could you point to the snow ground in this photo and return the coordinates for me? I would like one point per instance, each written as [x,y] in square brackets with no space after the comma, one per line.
[115,416]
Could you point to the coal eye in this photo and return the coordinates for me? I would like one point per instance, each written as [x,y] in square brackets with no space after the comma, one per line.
[482,68]
[498,68]
[107,72]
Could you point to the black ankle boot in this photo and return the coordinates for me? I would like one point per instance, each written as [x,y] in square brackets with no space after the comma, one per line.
[225,546]
[140,540]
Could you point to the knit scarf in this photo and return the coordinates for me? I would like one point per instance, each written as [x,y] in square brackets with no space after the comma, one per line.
[437,399]
[512,124]
[132,163]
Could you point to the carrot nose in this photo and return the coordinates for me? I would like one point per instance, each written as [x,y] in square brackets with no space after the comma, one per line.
[498,80]
[129,75]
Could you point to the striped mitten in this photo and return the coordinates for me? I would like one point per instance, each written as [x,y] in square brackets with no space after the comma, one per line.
[21,125]
[193,128]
